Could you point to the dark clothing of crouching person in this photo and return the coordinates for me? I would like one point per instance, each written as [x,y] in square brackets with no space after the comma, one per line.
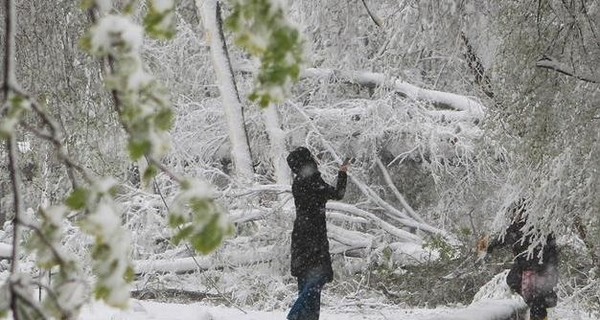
[311,261]
[532,278]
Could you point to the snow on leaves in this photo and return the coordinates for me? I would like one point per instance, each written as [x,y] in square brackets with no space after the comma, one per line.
[142,103]
[198,218]
[160,20]
[111,251]
[261,28]
[146,115]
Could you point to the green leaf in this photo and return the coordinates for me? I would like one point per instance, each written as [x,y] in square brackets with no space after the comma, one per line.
[201,208]
[129,274]
[85,43]
[164,119]
[78,199]
[176,220]
[17,102]
[210,237]
[138,149]
[101,292]
[100,250]
[87,4]
[150,172]
[155,26]
[279,48]
[183,234]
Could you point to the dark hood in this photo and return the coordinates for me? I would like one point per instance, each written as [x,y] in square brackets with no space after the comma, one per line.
[299,158]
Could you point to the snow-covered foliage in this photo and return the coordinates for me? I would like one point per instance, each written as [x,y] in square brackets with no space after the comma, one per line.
[262,28]
[141,103]
[439,152]
[546,118]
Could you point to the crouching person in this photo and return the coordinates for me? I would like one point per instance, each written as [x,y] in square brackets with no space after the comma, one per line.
[533,278]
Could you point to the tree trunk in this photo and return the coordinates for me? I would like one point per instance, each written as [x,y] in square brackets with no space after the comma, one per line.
[213,25]
[278,149]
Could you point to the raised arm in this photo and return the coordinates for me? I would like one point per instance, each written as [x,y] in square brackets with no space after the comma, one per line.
[332,193]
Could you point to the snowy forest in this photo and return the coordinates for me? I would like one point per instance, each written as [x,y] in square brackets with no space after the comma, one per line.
[144,147]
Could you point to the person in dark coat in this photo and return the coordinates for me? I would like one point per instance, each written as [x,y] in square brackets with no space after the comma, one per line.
[533,278]
[311,261]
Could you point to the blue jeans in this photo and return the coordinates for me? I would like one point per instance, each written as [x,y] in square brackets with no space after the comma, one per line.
[308,304]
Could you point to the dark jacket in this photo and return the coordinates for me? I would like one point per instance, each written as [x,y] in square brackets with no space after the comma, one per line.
[515,238]
[310,246]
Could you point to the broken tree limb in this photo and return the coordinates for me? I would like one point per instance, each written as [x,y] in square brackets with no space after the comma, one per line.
[373,80]
[352,239]
[200,263]
[398,233]
[235,258]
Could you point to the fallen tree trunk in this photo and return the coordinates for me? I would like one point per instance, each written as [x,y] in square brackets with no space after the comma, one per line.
[163,294]
[200,263]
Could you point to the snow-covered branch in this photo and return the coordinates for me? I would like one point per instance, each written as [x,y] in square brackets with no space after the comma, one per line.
[213,26]
[399,233]
[181,265]
[386,175]
[547,62]
[277,144]
[373,80]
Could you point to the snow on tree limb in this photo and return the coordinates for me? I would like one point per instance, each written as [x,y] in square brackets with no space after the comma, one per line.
[399,233]
[547,62]
[352,239]
[386,175]
[205,262]
[232,105]
[277,144]
[373,80]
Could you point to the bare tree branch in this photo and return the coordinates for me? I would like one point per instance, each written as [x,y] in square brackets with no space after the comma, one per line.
[547,62]
[11,146]
[372,15]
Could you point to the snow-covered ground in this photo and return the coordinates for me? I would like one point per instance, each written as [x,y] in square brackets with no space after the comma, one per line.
[148,310]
